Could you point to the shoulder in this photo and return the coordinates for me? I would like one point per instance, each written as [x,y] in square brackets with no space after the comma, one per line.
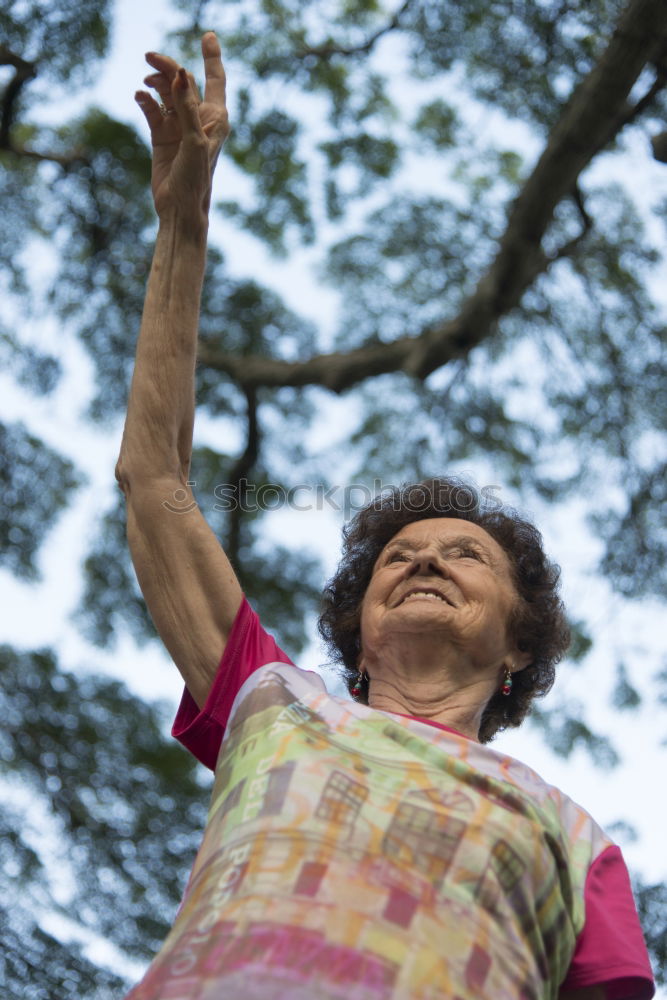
[557,811]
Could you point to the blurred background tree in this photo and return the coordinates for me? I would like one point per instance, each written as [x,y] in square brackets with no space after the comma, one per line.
[496,309]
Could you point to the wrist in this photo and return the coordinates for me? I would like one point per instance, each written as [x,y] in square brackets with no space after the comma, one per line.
[184,229]
[179,264]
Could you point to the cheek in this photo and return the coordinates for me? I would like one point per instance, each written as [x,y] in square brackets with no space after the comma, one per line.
[370,613]
[367,619]
[506,613]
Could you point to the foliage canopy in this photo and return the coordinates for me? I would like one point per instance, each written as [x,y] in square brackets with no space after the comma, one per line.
[459,171]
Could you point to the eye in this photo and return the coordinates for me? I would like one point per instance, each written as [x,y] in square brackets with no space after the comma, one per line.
[398,557]
[466,552]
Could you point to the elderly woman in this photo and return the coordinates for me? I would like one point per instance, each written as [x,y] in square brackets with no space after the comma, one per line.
[371,847]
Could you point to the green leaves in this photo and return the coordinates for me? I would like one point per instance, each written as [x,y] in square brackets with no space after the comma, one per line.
[437,123]
[370,157]
[566,732]
[524,58]
[33,960]
[18,219]
[266,148]
[652,907]
[35,484]
[64,41]
[636,536]
[409,267]
[36,371]
[384,143]
[625,696]
[97,760]
[111,600]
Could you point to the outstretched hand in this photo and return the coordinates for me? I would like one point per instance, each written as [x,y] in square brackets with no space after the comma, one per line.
[187,133]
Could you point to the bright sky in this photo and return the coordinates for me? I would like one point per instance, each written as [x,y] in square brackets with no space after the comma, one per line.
[40,614]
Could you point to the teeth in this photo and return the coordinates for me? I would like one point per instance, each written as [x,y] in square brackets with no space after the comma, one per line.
[433,597]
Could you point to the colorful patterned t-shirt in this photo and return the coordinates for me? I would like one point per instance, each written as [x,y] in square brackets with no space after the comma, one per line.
[357,854]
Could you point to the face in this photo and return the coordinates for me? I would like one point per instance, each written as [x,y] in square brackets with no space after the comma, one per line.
[441,581]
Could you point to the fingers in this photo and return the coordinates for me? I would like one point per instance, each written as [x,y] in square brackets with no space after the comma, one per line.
[163,85]
[163,64]
[167,68]
[215,90]
[179,94]
[185,100]
[159,83]
[150,108]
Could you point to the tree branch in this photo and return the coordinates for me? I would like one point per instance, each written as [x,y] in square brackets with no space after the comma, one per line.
[328,49]
[597,110]
[64,160]
[578,199]
[645,102]
[24,71]
[241,470]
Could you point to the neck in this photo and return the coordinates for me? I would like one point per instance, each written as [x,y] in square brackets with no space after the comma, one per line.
[431,684]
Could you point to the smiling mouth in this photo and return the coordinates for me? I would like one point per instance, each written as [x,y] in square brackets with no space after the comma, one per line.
[428,595]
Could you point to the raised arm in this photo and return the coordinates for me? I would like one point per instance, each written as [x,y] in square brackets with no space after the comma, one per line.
[188,583]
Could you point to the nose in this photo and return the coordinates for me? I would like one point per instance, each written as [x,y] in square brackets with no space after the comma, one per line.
[426,562]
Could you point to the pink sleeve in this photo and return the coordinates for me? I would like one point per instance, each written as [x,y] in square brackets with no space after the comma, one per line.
[248,648]
[610,950]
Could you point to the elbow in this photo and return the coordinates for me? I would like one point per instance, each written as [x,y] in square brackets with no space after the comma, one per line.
[134,469]
[144,488]
[141,466]
[121,476]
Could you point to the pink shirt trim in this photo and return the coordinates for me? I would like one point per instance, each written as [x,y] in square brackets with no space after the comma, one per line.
[248,648]
[610,950]
[432,722]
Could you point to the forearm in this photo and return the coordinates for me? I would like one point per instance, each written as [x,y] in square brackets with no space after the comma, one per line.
[157,439]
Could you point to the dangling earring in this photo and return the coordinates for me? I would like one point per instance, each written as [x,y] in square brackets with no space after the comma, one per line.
[507,682]
[356,690]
